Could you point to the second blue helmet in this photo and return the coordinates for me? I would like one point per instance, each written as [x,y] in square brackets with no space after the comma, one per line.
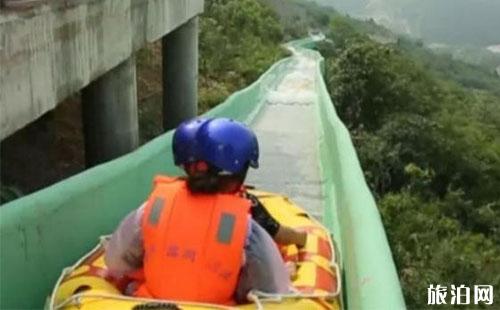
[228,145]
[184,144]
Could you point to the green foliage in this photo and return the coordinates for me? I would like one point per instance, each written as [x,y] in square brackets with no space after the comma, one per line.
[298,17]
[402,140]
[239,40]
[368,80]
[344,32]
[445,66]
[486,59]
[430,247]
[150,123]
[344,29]
[429,144]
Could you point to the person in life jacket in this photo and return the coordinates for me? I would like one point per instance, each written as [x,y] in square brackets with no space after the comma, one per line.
[194,238]
[185,150]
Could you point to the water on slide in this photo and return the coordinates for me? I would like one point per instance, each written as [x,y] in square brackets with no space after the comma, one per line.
[286,129]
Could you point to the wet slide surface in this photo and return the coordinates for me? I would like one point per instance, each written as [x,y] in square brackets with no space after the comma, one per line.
[286,129]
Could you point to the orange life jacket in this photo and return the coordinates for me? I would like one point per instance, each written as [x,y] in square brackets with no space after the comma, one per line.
[193,243]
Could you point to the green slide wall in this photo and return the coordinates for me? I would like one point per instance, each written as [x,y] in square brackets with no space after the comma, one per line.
[370,277]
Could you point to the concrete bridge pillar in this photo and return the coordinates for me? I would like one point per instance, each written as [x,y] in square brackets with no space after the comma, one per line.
[110,119]
[180,74]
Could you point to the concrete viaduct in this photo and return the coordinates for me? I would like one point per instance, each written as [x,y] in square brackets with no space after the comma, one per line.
[56,49]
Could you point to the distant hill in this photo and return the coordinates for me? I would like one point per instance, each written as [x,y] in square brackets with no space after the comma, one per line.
[456,22]
[485,58]
[298,16]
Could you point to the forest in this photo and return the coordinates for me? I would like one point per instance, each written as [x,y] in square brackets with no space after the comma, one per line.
[426,129]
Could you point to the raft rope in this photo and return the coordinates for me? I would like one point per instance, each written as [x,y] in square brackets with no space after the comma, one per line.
[68,270]
[255,296]
[76,299]
[258,297]
[305,213]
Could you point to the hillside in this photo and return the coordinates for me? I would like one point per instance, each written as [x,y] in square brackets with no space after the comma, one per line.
[426,129]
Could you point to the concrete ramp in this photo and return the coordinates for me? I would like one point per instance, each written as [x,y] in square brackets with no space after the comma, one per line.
[286,128]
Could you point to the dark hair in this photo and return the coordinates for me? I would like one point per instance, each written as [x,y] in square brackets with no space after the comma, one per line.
[213,181]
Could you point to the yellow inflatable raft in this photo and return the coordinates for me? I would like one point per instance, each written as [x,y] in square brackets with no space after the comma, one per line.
[87,285]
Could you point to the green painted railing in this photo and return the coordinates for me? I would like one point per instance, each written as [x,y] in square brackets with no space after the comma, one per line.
[44,232]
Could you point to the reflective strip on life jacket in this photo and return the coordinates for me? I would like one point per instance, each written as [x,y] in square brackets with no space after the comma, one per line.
[193,243]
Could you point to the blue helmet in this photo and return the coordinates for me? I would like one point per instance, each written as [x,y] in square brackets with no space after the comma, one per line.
[184,144]
[228,145]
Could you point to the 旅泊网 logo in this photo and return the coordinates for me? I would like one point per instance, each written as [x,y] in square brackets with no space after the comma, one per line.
[459,295]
